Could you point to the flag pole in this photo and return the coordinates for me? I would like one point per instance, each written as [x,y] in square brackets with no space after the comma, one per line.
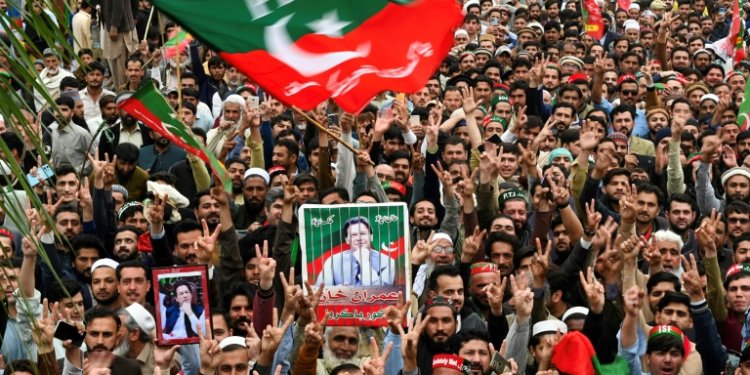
[153,55]
[325,130]
[179,85]
[148,24]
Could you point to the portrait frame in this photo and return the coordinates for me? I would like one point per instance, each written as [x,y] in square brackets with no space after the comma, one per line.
[361,254]
[171,321]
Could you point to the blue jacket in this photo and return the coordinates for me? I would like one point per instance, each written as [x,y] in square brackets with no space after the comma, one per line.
[707,339]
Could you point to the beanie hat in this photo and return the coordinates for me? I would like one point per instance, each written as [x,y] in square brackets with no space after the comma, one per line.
[655,110]
[394,187]
[661,330]
[736,269]
[117,188]
[556,153]
[440,301]
[574,354]
[571,60]
[578,77]
[695,86]
[618,137]
[512,194]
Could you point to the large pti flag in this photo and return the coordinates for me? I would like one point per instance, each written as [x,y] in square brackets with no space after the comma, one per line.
[149,106]
[305,51]
[361,256]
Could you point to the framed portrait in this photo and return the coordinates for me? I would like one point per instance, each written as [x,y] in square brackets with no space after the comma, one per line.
[361,256]
[181,300]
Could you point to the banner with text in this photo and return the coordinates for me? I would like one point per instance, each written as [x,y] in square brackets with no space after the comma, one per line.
[361,254]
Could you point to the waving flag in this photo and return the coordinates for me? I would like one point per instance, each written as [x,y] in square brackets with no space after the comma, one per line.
[732,48]
[178,41]
[592,19]
[305,51]
[743,119]
[149,106]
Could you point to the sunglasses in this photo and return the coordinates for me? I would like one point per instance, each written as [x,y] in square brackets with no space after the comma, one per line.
[629,92]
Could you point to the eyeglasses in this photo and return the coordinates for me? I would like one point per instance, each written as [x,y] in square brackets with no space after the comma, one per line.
[629,92]
[442,250]
[740,220]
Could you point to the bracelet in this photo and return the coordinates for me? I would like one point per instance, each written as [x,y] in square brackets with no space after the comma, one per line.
[589,233]
[563,206]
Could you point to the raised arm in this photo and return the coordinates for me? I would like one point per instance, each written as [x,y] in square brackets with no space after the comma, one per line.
[704,191]
[675,175]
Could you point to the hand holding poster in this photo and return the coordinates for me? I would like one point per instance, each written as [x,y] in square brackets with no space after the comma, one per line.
[181,300]
[360,256]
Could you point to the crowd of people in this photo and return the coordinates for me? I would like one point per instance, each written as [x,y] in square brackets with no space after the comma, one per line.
[576,205]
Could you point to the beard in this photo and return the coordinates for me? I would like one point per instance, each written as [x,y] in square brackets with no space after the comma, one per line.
[53,71]
[122,350]
[122,177]
[109,300]
[173,63]
[236,188]
[330,361]
[438,347]
[163,142]
[253,204]
[128,121]
[424,226]
[238,328]
[675,228]
[736,198]
[124,255]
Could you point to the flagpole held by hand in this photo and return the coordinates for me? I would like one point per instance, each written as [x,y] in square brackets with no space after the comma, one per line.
[325,130]
[148,24]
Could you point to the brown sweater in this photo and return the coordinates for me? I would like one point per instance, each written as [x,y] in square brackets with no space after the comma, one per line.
[307,360]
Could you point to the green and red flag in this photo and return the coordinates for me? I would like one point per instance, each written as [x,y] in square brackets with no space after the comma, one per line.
[731,48]
[305,51]
[178,42]
[743,119]
[149,106]
[592,19]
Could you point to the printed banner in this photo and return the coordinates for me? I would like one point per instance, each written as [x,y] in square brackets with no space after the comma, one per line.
[361,254]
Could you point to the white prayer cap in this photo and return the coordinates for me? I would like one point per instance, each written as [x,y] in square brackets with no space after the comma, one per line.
[549,326]
[104,262]
[142,317]
[442,236]
[257,172]
[232,340]
[577,310]
[460,32]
